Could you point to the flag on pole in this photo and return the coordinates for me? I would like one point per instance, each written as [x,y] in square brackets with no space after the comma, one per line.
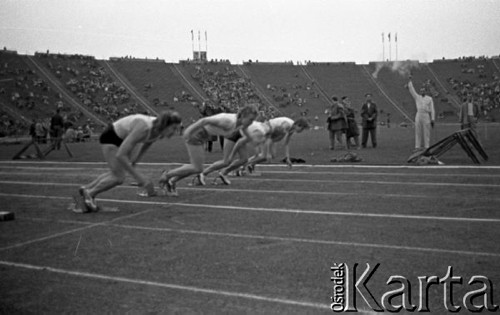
[396,37]
[382,37]
[192,35]
[206,36]
[198,35]
[389,36]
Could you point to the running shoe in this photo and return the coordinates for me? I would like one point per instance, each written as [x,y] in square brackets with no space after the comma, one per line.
[224,179]
[250,169]
[163,178]
[200,180]
[78,205]
[90,203]
[171,189]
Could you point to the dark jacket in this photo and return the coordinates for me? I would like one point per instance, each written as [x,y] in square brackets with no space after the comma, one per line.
[369,116]
[337,119]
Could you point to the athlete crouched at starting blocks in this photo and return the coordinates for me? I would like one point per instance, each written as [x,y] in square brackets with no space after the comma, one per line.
[223,124]
[266,135]
[118,141]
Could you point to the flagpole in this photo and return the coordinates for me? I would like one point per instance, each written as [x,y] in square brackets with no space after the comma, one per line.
[192,43]
[390,48]
[199,46]
[396,40]
[383,47]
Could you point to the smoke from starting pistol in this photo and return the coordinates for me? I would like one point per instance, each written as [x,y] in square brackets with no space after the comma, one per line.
[402,67]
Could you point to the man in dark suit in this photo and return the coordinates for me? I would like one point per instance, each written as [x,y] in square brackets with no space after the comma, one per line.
[369,114]
[56,129]
[469,114]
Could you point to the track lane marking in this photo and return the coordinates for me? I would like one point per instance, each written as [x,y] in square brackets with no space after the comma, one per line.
[298,166]
[278,210]
[172,286]
[279,238]
[55,235]
[369,182]
[10,170]
[257,191]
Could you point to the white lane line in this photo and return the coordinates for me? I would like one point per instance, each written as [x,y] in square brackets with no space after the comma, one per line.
[277,210]
[298,166]
[311,241]
[51,236]
[257,191]
[339,181]
[384,174]
[12,170]
[370,182]
[283,239]
[171,286]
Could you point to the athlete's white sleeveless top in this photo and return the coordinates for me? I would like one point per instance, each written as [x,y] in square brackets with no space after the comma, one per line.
[280,126]
[258,131]
[124,126]
[226,125]
[274,129]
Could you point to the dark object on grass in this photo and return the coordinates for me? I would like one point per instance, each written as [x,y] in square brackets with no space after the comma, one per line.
[348,157]
[294,160]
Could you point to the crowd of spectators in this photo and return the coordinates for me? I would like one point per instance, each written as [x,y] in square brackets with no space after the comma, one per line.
[24,90]
[228,91]
[486,93]
[10,126]
[293,95]
[91,84]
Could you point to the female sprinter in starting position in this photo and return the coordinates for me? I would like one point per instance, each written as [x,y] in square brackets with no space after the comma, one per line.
[265,136]
[118,141]
[223,124]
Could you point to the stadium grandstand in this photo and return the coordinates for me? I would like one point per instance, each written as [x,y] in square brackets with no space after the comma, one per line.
[93,92]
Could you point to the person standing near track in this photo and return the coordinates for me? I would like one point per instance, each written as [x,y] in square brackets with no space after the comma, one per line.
[227,125]
[118,142]
[352,131]
[424,118]
[369,113]
[337,122]
[469,113]
[56,129]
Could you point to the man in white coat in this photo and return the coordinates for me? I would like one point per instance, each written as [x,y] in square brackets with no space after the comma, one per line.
[424,118]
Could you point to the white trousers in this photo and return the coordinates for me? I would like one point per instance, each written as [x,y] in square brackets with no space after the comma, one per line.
[422,130]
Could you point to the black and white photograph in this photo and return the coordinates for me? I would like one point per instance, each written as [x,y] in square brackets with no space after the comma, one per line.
[249,157]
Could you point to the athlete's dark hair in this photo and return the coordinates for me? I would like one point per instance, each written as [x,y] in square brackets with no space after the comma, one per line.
[302,122]
[167,118]
[247,110]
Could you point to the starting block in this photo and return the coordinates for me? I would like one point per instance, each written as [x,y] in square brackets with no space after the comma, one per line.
[6,216]
[465,138]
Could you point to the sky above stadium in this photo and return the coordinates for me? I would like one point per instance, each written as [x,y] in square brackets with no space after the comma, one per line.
[239,30]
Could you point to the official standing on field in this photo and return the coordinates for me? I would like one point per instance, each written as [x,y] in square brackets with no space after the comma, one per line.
[369,113]
[56,129]
[424,118]
[337,122]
